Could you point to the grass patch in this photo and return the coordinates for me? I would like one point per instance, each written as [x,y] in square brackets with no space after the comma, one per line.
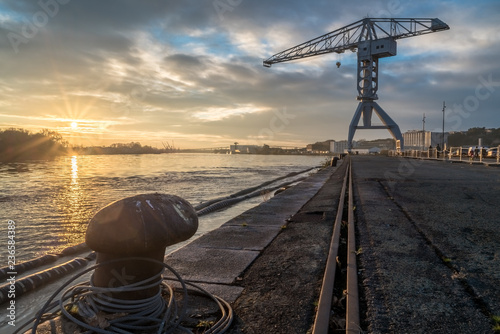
[496,319]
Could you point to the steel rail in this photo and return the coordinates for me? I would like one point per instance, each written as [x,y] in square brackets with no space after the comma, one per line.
[322,318]
[352,312]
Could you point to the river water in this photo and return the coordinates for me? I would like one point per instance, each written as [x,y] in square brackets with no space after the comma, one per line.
[51,202]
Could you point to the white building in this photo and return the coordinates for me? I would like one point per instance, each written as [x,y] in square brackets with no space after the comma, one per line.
[341,146]
[420,140]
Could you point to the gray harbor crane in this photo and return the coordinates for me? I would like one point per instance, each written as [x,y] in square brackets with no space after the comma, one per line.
[372,39]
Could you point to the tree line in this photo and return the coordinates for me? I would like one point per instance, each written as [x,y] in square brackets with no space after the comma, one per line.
[129,148]
[20,144]
[489,137]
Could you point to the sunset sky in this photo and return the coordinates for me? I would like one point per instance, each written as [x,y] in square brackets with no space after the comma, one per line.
[190,72]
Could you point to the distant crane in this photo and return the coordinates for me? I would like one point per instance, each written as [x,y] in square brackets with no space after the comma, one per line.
[371,38]
[168,147]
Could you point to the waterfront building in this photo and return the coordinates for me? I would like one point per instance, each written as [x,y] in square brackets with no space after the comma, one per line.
[421,140]
[244,149]
[321,147]
[341,146]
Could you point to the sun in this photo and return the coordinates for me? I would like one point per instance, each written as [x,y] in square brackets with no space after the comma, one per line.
[74,125]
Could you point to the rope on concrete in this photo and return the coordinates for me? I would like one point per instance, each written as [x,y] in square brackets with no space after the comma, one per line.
[231,201]
[249,190]
[84,301]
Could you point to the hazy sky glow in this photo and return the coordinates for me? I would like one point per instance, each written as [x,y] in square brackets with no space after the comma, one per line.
[102,72]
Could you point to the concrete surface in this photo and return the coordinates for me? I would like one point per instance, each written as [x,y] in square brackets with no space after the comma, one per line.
[430,239]
[282,286]
[221,256]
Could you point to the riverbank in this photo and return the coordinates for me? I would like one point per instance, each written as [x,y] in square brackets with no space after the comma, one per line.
[220,260]
[428,249]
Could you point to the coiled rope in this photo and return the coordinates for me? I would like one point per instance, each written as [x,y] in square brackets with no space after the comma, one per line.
[87,305]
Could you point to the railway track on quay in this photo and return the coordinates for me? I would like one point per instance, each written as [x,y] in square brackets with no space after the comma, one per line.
[341,271]
[428,249]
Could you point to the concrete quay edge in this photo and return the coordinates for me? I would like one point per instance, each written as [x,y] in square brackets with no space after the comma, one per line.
[217,259]
[455,161]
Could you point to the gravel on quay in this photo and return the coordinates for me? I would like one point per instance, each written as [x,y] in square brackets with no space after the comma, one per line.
[431,245]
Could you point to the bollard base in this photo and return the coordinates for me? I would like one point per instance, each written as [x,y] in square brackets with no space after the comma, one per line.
[120,272]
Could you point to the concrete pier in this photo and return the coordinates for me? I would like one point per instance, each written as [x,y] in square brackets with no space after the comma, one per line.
[429,252]
[429,233]
[428,243]
[217,259]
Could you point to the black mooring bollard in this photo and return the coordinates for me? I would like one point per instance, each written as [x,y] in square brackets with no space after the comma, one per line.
[138,226]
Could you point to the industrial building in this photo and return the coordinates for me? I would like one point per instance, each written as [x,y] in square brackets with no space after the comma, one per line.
[244,149]
[422,140]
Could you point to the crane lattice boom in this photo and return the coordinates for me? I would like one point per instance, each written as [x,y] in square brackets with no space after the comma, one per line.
[372,39]
[349,37]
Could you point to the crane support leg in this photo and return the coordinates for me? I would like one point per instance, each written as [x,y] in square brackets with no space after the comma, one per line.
[365,109]
[354,125]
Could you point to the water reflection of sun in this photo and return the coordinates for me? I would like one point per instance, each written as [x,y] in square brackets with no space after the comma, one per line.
[74,169]
[72,203]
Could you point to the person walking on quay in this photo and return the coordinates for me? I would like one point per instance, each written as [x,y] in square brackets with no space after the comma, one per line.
[471,154]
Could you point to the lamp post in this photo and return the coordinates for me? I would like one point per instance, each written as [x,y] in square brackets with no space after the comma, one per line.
[442,137]
[423,133]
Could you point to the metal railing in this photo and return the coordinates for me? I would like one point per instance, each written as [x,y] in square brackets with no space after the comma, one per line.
[470,154]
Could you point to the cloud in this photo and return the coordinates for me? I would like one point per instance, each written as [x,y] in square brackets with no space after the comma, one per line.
[187,70]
